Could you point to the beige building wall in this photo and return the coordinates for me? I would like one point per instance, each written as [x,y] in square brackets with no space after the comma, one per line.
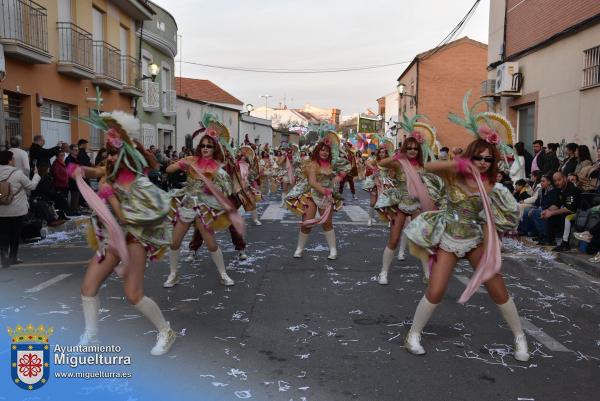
[552,78]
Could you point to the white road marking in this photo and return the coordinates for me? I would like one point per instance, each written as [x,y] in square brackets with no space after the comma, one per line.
[531,329]
[356,213]
[465,281]
[542,337]
[340,223]
[48,283]
[75,262]
[273,212]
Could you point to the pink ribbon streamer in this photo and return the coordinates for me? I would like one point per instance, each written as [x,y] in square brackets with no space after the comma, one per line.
[415,186]
[323,218]
[234,217]
[290,171]
[116,238]
[490,262]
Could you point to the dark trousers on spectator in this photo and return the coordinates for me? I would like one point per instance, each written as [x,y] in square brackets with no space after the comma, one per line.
[556,225]
[350,180]
[527,225]
[236,238]
[10,235]
[595,243]
[541,225]
[74,200]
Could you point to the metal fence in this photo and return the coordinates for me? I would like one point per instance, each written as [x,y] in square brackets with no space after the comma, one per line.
[130,72]
[107,60]
[75,45]
[24,22]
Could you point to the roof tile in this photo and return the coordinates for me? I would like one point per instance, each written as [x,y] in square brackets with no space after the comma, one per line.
[204,90]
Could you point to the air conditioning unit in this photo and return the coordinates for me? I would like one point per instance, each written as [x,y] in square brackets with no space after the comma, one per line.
[508,79]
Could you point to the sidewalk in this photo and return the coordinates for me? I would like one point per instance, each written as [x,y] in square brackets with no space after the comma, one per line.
[73,224]
[579,260]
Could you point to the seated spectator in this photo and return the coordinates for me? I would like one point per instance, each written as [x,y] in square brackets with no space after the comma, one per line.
[60,177]
[570,161]
[532,223]
[588,176]
[593,238]
[504,179]
[584,158]
[573,178]
[520,193]
[535,180]
[560,214]
[45,196]
[551,160]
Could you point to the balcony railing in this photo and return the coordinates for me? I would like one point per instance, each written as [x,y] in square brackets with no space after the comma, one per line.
[130,70]
[75,46]
[107,61]
[24,22]
[151,96]
[169,99]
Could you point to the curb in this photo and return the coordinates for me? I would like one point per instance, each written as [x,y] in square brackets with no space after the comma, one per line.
[74,224]
[580,262]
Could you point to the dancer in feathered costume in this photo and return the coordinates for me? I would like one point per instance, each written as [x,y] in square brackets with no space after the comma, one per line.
[411,191]
[285,171]
[265,171]
[374,175]
[246,182]
[319,192]
[468,226]
[142,230]
[205,202]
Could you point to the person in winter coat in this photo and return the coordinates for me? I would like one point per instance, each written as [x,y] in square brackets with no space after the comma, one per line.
[40,156]
[14,208]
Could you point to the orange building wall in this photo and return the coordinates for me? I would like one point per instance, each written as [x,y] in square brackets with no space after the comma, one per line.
[443,81]
[43,79]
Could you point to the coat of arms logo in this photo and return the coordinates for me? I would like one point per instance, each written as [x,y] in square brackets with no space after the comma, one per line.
[30,355]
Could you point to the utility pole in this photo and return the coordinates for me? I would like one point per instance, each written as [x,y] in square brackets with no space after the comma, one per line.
[266,103]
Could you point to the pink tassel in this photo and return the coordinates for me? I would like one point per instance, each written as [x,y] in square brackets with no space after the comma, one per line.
[490,263]
[415,186]
[234,217]
[116,239]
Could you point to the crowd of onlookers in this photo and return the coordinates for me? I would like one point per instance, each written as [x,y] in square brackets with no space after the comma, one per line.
[558,196]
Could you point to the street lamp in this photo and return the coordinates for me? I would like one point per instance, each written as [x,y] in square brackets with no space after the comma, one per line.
[266,103]
[153,70]
[402,92]
[249,108]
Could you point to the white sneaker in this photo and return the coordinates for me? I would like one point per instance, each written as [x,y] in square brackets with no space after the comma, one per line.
[521,350]
[401,256]
[226,280]
[242,255]
[413,343]
[298,253]
[382,278]
[354,197]
[164,341]
[332,254]
[88,339]
[369,222]
[172,280]
[257,222]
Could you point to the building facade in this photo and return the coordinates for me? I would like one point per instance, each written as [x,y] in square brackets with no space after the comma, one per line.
[57,52]
[156,108]
[258,130]
[437,81]
[546,80]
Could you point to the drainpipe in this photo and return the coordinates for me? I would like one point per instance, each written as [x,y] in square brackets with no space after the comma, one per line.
[139,60]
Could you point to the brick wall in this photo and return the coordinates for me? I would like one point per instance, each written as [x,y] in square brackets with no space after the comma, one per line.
[533,21]
[444,79]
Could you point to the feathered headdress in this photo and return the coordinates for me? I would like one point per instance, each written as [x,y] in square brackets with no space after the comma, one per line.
[424,133]
[491,127]
[212,127]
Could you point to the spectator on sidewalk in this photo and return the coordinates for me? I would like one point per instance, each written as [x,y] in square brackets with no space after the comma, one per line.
[584,165]
[551,163]
[60,178]
[82,156]
[40,156]
[100,157]
[520,193]
[503,179]
[589,177]
[569,163]
[539,160]
[593,238]
[20,156]
[51,199]
[74,194]
[13,212]
[532,224]
[561,213]
[520,149]
[536,180]
[517,168]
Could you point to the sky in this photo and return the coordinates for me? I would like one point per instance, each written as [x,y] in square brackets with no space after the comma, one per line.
[314,34]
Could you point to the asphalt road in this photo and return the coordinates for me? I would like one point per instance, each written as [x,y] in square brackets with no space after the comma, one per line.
[313,329]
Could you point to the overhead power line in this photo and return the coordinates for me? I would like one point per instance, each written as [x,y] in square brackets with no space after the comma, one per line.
[296,71]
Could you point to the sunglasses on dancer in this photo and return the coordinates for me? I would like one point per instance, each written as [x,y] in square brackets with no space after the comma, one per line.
[412,148]
[487,159]
[206,146]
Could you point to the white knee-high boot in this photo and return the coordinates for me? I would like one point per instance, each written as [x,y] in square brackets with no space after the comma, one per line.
[302,239]
[402,247]
[217,257]
[283,194]
[255,219]
[370,220]
[166,336]
[422,315]
[173,277]
[330,237]
[388,256]
[91,307]
[509,312]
